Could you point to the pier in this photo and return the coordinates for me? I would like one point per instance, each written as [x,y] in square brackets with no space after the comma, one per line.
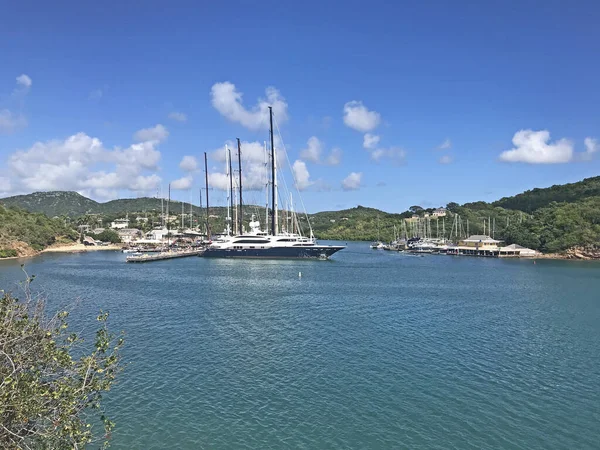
[163,255]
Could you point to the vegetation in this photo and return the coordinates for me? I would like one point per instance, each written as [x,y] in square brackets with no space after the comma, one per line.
[34,229]
[529,201]
[46,392]
[551,219]
[8,253]
[107,236]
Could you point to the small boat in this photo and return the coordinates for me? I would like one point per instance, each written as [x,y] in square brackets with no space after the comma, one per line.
[377,246]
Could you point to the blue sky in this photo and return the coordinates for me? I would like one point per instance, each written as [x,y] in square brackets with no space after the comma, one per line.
[471,75]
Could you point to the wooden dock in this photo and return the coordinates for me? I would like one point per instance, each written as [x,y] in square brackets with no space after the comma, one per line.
[163,255]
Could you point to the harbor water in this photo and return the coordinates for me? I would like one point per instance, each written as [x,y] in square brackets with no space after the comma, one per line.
[372,349]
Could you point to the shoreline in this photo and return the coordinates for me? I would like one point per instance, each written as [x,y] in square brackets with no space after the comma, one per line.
[68,248]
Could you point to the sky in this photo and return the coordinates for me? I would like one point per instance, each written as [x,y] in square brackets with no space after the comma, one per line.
[376,103]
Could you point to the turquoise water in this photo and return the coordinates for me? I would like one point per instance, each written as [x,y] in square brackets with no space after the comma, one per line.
[371,350]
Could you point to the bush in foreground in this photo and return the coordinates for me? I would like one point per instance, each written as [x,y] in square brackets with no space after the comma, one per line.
[46,392]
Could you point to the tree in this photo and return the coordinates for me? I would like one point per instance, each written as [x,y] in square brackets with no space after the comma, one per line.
[416,209]
[46,392]
[107,236]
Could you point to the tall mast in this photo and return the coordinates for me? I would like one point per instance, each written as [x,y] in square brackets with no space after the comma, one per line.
[241,204]
[228,173]
[162,208]
[191,210]
[273,179]
[266,188]
[230,205]
[168,222]
[206,179]
[182,214]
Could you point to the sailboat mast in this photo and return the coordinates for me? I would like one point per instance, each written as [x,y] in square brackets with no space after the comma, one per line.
[273,178]
[206,181]
[241,230]
[168,222]
[230,204]
[266,188]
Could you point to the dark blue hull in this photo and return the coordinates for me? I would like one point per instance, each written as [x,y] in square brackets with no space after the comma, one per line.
[318,252]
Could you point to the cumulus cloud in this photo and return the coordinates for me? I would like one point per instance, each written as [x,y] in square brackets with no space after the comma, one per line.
[371,141]
[178,116]
[534,147]
[81,163]
[24,80]
[446,145]
[11,122]
[591,146]
[446,159]
[358,117]
[157,133]
[188,164]
[227,100]
[394,155]
[334,158]
[182,183]
[313,153]
[352,182]
[254,171]
[301,175]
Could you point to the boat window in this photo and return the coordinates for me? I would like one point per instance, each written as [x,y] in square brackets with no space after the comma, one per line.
[250,241]
[286,240]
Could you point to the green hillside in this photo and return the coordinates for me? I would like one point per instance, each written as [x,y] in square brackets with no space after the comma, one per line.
[537,198]
[54,203]
[22,231]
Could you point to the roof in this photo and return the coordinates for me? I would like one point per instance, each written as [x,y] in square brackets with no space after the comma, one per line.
[480,238]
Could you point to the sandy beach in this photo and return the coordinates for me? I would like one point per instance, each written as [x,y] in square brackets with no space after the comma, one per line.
[76,248]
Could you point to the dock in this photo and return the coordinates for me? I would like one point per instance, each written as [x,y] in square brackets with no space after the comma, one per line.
[163,255]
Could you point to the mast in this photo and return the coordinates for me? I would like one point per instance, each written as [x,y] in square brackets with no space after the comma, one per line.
[206,179]
[230,204]
[162,208]
[182,214]
[241,218]
[266,188]
[191,210]
[168,222]
[228,174]
[273,188]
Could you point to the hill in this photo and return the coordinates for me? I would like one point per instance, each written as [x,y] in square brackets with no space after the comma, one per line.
[54,203]
[23,233]
[534,199]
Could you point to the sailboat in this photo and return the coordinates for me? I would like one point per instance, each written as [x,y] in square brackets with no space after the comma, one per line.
[377,245]
[274,244]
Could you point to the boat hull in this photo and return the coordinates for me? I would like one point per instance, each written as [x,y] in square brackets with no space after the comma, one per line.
[317,252]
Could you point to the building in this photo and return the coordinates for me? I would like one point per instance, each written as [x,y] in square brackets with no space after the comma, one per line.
[482,245]
[120,224]
[128,234]
[440,212]
[141,219]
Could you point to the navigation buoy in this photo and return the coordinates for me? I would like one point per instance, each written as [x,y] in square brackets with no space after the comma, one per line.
[299,274]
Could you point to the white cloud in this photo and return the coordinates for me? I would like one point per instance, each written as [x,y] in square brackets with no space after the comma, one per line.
[82,163]
[352,182]
[358,117]
[178,116]
[157,133]
[188,164]
[182,183]
[254,172]
[533,147]
[371,141]
[446,159]
[446,145]
[335,157]
[395,155]
[314,150]
[10,122]
[24,80]
[228,101]
[301,175]
[591,145]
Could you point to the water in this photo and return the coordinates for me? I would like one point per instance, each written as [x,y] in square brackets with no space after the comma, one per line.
[372,350]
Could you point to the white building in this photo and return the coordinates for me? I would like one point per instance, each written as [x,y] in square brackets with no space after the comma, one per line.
[120,223]
[128,234]
[440,212]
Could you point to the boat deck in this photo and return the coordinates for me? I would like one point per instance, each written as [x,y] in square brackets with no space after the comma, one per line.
[164,255]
